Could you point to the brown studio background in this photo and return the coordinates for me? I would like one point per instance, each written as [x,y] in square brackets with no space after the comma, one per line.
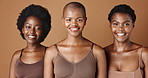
[97,28]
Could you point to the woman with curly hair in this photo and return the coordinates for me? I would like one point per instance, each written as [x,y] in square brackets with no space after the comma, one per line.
[125,58]
[34,24]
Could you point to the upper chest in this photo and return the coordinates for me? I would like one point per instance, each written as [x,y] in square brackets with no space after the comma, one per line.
[125,61]
[32,57]
[74,54]
[113,57]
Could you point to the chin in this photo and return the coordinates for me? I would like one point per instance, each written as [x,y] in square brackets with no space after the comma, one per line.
[75,34]
[33,42]
[122,40]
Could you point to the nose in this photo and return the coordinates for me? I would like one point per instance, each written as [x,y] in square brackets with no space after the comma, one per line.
[74,23]
[121,27]
[32,30]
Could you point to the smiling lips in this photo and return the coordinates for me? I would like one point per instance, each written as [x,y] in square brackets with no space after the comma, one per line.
[74,29]
[121,34]
[31,36]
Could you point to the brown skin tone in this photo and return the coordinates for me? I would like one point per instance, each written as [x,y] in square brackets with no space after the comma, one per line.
[121,26]
[34,51]
[74,47]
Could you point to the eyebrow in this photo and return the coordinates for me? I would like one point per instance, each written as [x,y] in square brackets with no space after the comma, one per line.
[77,18]
[35,25]
[123,22]
[126,21]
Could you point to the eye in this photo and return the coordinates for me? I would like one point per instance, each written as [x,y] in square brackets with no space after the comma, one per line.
[115,24]
[80,20]
[27,26]
[68,20]
[39,28]
[126,24]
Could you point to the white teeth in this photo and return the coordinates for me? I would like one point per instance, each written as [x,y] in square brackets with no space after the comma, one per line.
[31,36]
[120,34]
[74,29]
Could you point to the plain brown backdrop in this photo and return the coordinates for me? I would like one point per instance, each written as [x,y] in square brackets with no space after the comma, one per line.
[96,30]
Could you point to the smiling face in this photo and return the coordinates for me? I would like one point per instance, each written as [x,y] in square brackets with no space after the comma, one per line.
[74,20]
[121,26]
[32,30]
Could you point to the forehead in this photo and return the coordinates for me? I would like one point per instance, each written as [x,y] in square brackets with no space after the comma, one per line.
[121,16]
[73,11]
[33,19]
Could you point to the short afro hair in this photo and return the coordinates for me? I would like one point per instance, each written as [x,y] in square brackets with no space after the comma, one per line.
[122,8]
[37,11]
[75,5]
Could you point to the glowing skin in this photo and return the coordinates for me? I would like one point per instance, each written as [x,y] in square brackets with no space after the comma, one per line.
[123,55]
[34,51]
[74,21]
[32,30]
[121,26]
[74,47]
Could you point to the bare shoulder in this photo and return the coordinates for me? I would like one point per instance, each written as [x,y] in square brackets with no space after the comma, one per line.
[97,47]
[108,48]
[16,54]
[145,55]
[145,49]
[51,51]
[98,50]
[145,52]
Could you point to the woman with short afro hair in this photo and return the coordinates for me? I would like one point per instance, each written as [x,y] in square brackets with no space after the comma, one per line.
[34,24]
[125,59]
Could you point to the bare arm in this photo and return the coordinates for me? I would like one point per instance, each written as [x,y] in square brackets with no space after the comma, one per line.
[101,62]
[12,64]
[145,61]
[48,62]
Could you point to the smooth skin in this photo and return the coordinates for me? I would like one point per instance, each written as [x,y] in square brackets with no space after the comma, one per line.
[74,47]
[34,51]
[121,27]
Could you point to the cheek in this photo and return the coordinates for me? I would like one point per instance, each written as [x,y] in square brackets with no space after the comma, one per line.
[66,24]
[113,29]
[82,24]
[24,31]
[129,29]
[39,32]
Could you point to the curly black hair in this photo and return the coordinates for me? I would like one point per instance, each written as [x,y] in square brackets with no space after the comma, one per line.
[39,12]
[122,8]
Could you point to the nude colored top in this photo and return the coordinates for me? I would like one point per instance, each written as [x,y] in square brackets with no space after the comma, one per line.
[86,68]
[128,74]
[34,70]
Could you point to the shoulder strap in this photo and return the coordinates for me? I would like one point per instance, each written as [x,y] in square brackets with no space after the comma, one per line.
[45,49]
[21,53]
[57,48]
[140,56]
[92,46]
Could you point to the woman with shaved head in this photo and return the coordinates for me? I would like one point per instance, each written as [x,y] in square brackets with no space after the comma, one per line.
[74,56]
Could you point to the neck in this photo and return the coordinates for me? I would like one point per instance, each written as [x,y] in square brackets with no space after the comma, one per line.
[71,40]
[122,46]
[33,47]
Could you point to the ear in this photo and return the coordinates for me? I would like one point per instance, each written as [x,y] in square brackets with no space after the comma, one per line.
[85,20]
[133,25]
[23,29]
[62,18]
[109,23]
